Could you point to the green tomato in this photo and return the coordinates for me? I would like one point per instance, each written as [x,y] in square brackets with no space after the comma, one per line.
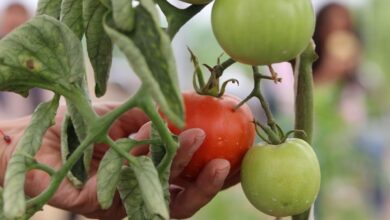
[197,2]
[281,180]
[262,32]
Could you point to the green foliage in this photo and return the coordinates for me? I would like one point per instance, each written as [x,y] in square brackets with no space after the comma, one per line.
[110,173]
[148,52]
[46,52]
[28,146]
[72,16]
[99,45]
[146,200]
[42,53]
[49,7]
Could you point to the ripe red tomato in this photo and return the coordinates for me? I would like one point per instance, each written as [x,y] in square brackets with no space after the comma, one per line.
[229,133]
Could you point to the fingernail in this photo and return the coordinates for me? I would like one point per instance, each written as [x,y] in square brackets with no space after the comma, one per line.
[220,175]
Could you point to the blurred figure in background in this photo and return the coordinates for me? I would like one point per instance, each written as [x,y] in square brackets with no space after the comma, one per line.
[11,104]
[349,166]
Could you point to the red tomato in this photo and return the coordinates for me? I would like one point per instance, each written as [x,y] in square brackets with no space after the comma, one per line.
[229,133]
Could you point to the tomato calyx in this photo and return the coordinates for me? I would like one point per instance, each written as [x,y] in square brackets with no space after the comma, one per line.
[274,137]
[212,86]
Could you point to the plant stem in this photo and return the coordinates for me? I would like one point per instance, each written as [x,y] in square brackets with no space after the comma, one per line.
[42,167]
[83,106]
[304,94]
[304,101]
[177,17]
[120,151]
[257,77]
[107,120]
[223,66]
[170,144]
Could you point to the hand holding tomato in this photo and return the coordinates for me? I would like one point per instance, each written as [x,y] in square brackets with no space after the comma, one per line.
[229,133]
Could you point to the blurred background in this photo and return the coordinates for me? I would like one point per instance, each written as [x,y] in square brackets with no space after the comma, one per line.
[352,107]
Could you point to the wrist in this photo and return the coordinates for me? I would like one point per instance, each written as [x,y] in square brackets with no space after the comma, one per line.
[14,130]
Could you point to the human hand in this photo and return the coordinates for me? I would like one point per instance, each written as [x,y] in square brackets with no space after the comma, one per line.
[186,197]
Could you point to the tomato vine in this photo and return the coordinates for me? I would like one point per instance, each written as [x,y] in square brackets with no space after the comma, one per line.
[47,52]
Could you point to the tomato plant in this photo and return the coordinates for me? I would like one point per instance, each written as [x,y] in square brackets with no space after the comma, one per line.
[263,32]
[281,180]
[229,133]
[46,52]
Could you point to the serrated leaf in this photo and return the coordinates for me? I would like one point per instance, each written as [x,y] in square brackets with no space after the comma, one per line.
[109,173]
[123,14]
[148,51]
[99,45]
[42,53]
[49,7]
[28,146]
[69,143]
[72,16]
[141,191]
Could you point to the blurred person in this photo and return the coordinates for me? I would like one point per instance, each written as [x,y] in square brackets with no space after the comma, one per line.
[340,120]
[13,105]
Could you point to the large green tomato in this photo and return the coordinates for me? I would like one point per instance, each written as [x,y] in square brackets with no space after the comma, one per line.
[260,32]
[281,180]
[197,2]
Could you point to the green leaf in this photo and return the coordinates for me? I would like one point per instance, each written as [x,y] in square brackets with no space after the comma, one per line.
[80,127]
[42,53]
[148,51]
[49,7]
[28,146]
[141,192]
[99,45]
[157,149]
[158,152]
[69,143]
[72,16]
[123,14]
[109,173]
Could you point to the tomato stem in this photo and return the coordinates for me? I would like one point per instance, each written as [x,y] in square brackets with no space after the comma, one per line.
[177,17]
[147,105]
[304,101]
[210,88]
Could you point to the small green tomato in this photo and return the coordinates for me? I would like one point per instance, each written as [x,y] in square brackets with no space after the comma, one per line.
[281,180]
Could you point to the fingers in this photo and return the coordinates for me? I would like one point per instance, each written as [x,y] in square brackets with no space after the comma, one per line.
[195,196]
[142,134]
[190,140]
